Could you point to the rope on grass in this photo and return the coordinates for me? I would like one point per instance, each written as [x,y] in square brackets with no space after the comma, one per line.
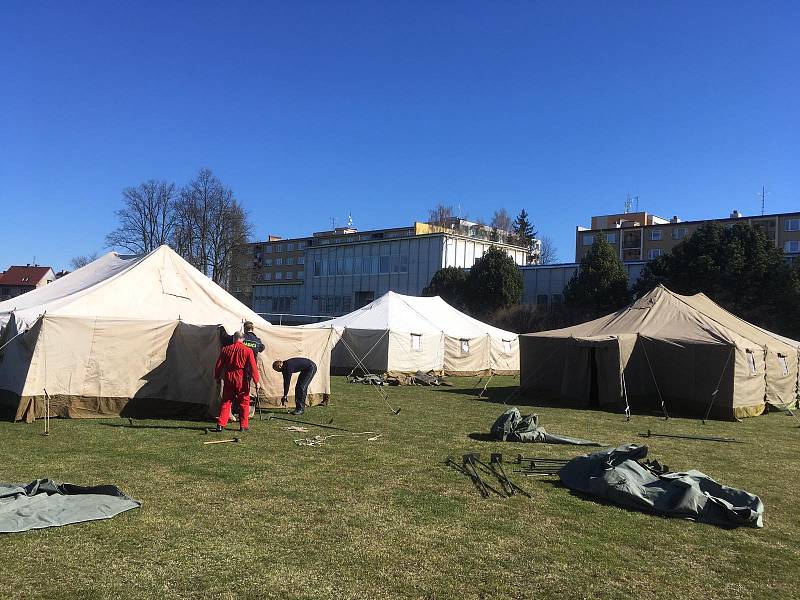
[319,440]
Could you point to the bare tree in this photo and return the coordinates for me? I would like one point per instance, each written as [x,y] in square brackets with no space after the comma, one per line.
[147,219]
[441,215]
[502,221]
[209,225]
[82,260]
[548,253]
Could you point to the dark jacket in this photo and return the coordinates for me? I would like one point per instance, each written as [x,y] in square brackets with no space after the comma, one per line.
[295,365]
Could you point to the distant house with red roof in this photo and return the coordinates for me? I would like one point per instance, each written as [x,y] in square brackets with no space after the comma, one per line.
[18,280]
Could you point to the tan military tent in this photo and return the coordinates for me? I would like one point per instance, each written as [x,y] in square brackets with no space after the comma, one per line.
[405,334]
[134,334]
[683,354]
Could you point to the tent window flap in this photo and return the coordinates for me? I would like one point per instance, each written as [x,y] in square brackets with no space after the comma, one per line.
[507,346]
[464,346]
[784,365]
[751,361]
[416,341]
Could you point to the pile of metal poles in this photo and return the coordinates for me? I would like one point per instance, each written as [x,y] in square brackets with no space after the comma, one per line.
[473,467]
[531,465]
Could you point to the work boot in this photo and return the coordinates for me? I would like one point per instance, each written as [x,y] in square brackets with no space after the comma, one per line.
[297,412]
[218,429]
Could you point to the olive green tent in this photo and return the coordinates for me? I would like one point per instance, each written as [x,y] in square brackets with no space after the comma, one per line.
[682,354]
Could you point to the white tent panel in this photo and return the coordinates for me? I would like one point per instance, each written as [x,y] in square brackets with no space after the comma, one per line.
[426,334]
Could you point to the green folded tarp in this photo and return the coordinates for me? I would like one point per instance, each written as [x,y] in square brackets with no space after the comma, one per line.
[617,475]
[46,503]
[511,426]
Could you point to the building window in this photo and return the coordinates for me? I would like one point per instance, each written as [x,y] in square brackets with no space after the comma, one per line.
[301,274]
[278,275]
[280,248]
[784,365]
[385,263]
[507,346]
[791,224]
[416,342]
[655,235]
[301,245]
[679,233]
[289,260]
[541,299]
[290,246]
[792,247]
[279,261]
[611,238]
[464,346]
[267,276]
[653,253]
[267,262]
[268,249]
[317,268]
[588,239]
[301,260]
[751,361]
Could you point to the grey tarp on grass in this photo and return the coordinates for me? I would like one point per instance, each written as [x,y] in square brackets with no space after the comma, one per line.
[46,503]
[616,475]
[513,427]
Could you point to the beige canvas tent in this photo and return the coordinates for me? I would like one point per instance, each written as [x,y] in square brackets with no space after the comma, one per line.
[134,334]
[406,334]
[684,354]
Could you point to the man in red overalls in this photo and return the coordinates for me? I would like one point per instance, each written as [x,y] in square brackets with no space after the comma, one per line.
[230,371]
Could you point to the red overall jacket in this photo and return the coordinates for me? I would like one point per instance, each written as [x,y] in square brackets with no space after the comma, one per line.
[230,368]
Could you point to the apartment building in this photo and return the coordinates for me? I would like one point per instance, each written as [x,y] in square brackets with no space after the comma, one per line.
[642,236]
[334,272]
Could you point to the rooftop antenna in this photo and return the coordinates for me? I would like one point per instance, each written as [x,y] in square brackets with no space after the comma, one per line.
[333,223]
[763,196]
[628,204]
[349,220]
[636,197]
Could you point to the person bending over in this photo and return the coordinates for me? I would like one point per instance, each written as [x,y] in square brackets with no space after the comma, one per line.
[230,371]
[307,370]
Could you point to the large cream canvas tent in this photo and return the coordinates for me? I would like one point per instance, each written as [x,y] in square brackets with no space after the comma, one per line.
[139,334]
[683,351]
[406,334]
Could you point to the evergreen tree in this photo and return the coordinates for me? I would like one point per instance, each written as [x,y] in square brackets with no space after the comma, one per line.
[601,283]
[525,233]
[450,284]
[493,282]
[739,268]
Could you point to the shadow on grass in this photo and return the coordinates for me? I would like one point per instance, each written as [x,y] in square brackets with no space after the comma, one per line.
[481,437]
[132,425]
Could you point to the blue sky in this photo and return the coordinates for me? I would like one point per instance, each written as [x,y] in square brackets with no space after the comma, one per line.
[311,110]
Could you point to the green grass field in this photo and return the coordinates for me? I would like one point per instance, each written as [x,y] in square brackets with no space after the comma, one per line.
[386,519]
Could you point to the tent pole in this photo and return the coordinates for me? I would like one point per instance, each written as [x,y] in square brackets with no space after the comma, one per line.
[625,395]
[660,397]
[714,393]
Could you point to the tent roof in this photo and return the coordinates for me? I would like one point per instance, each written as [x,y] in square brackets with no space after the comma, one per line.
[663,314]
[156,286]
[415,314]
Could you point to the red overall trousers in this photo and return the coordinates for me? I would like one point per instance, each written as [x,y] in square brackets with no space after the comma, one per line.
[236,387]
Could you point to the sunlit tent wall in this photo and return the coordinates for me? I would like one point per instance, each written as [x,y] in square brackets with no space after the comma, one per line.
[134,335]
[684,351]
[405,334]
